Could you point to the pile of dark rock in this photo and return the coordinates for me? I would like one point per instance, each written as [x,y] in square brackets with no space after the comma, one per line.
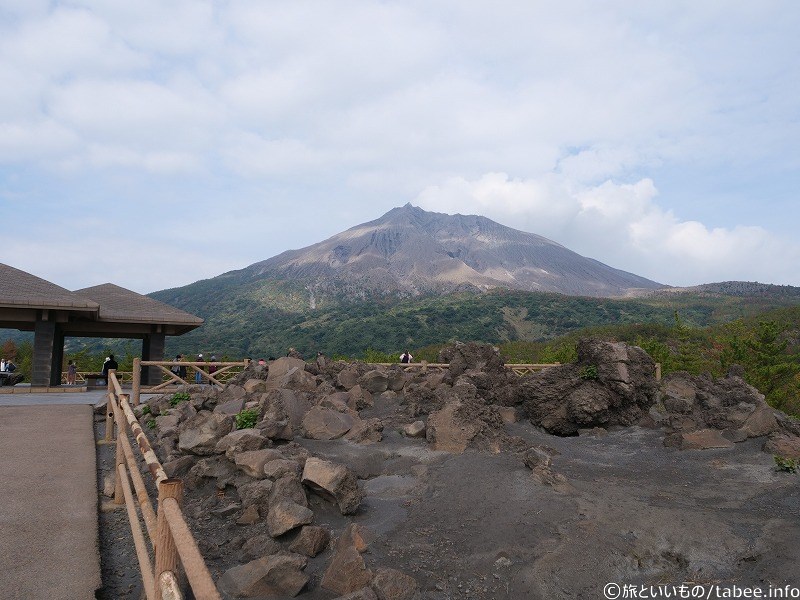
[261,478]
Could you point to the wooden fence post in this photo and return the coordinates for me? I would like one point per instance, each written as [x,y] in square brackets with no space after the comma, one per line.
[109,418]
[137,380]
[166,551]
[119,493]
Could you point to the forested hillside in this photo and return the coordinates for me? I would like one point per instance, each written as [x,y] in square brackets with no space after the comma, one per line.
[269,317]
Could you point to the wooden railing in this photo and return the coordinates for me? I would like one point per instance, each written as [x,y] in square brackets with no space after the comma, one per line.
[171,541]
[81,377]
[223,371]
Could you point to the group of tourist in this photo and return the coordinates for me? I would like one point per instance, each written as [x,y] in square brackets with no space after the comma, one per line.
[7,366]
[180,370]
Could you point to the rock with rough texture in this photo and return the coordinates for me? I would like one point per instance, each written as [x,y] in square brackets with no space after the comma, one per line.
[508,414]
[365,432]
[285,516]
[333,482]
[445,431]
[415,429]
[375,381]
[761,422]
[241,440]
[275,469]
[391,584]
[179,466]
[326,424]
[231,407]
[702,439]
[284,413]
[701,402]
[274,575]
[218,468]
[364,593]
[783,445]
[537,457]
[200,434]
[470,356]
[397,379]
[610,384]
[348,377]
[249,516]
[255,386]
[252,462]
[256,493]
[289,373]
[259,546]
[347,571]
[167,425]
[288,488]
[311,540]
[359,398]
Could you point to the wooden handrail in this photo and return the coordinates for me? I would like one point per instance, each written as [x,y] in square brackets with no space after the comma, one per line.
[170,537]
[196,570]
[221,368]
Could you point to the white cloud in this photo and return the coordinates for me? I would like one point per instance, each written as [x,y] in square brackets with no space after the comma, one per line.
[24,141]
[68,42]
[363,105]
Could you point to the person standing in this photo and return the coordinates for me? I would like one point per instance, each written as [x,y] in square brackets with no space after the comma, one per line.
[181,368]
[2,365]
[406,357]
[72,372]
[109,365]
[198,378]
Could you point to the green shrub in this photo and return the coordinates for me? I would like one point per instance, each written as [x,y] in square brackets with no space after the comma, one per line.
[376,356]
[588,372]
[247,418]
[179,397]
[786,465]
[146,409]
[151,423]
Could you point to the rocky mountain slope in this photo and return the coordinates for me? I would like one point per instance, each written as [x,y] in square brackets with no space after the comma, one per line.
[411,251]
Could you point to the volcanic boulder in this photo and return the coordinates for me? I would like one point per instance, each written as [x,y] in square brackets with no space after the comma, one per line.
[700,403]
[333,482]
[200,434]
[610,384]
[274,575]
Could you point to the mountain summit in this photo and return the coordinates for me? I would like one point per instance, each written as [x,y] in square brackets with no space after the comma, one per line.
[410,251]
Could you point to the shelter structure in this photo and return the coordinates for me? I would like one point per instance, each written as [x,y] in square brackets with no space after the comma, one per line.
[53,313]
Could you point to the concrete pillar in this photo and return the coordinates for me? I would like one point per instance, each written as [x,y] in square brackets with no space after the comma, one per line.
[58,356]
[44,334]
[152,349]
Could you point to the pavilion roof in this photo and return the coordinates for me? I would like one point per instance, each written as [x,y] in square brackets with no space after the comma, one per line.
[122,305]
[21,289]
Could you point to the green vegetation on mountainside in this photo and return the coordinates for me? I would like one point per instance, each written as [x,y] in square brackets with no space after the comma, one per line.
[264,318]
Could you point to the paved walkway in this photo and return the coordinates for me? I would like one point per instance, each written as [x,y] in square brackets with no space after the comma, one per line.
[48,497]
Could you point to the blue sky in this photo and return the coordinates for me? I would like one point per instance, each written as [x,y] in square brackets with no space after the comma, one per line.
[151,144]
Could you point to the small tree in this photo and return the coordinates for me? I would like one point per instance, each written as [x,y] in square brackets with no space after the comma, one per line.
[770,368]
[9,350]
